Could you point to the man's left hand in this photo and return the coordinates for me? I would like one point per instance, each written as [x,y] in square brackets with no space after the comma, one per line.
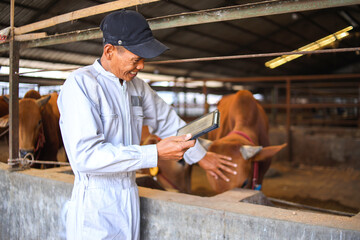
[213,163]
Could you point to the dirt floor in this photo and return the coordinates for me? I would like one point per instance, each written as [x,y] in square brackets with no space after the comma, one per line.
[318,187]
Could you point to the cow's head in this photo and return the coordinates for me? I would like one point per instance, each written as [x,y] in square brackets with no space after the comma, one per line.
[30,124]
[243,153]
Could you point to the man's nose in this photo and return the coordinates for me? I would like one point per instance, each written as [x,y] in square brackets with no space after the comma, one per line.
[140,65]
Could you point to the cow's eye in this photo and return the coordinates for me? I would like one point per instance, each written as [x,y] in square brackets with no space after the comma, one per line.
[39,123]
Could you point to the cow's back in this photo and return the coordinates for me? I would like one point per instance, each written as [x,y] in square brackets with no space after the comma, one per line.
[241,112]
[32,94]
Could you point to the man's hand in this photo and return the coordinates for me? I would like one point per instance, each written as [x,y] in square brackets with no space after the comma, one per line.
[213,163]
[173,148]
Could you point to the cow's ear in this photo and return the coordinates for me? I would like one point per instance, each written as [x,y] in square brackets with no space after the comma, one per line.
[42,101]
[267,152]
[248,151]
[4,121]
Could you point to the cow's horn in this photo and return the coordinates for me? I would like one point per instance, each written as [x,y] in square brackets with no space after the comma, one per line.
[42,101]
[205,142]
[6,98]
[248,151]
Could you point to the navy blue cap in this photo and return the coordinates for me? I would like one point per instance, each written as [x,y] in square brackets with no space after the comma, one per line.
[131,30]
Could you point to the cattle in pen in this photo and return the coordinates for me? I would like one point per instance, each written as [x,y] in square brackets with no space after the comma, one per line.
[39,133]
[242,134]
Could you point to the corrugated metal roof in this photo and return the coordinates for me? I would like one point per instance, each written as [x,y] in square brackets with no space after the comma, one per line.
[276,33]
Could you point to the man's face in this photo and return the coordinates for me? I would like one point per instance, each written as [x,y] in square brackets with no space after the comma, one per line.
[125,65]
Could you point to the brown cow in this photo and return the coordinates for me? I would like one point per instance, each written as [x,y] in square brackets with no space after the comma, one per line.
[243,135]
[38,127]
[169,174]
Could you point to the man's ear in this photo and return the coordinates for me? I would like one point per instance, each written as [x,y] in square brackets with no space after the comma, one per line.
[109,51]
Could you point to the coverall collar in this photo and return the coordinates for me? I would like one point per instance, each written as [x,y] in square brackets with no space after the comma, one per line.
[99,68]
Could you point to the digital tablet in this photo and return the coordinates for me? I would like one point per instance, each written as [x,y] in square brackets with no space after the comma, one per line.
[201,125]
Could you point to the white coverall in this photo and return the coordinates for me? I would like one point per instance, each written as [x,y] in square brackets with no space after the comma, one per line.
[101,122]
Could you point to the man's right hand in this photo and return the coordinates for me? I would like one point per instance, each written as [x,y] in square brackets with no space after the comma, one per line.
[173,148]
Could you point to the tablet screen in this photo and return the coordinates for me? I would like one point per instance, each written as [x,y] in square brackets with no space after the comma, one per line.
[201,125]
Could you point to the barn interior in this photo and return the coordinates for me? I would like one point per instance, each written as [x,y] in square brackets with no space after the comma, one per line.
[218,47]
[227,55]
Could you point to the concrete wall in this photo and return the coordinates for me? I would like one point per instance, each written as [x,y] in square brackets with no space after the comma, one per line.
[32,201]
[321,146]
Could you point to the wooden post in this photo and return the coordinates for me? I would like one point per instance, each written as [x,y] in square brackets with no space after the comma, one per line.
[206,105]
[14,101]
[274,96]
[358,109]
[14,91]
[176,98]
[288,119]
[185,99]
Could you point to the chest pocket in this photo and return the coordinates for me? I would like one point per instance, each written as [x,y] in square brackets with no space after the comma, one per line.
[111,124]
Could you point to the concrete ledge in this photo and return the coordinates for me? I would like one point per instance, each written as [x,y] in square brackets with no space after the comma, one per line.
[32,201]
[182,216]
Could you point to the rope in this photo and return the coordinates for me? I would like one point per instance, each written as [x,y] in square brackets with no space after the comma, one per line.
[255,178]
[49,162]
[168,181]
[23,161]
[26,162]
[40,142]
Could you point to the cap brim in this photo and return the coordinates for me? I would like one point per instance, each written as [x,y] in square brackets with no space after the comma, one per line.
[149,49]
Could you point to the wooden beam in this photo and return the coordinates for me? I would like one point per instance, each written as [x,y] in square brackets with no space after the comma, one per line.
[264,8]
[30,36]
[93,33]
[34,80]
[86,12]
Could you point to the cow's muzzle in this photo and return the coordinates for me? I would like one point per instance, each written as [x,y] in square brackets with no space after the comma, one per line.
[26,153]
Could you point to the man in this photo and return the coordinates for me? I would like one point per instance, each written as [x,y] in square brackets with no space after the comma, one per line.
[102,110]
